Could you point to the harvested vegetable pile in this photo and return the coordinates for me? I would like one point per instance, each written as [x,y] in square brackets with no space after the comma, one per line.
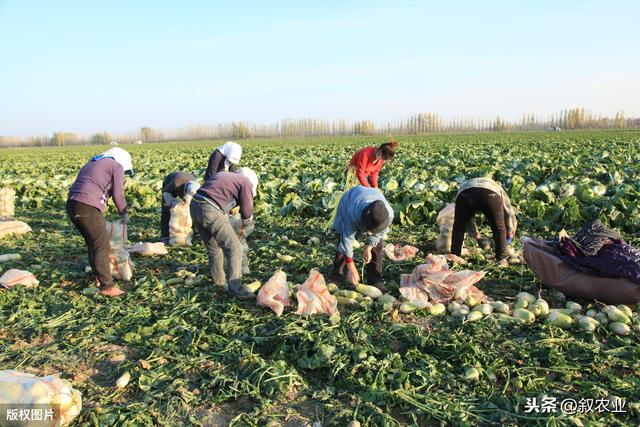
[177,350]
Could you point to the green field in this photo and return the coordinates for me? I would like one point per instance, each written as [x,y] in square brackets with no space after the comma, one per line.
[214,360]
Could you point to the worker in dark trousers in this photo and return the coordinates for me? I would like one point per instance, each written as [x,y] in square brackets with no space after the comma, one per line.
[488,197]
[98,180]
[173,189]
[224,158]
[210,213]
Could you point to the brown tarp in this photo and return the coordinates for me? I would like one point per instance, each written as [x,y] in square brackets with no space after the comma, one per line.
[556,274]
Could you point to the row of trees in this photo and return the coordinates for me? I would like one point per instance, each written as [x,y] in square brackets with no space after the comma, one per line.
[423,123]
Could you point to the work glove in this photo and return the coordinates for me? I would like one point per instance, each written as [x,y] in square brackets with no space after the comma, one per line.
[246,229]
[169,200]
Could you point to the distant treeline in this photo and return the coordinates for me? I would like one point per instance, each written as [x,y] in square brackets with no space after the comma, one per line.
[423,123]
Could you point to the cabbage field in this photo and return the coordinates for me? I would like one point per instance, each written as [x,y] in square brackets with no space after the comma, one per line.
[199,357]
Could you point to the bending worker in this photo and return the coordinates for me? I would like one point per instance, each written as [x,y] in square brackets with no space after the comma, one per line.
[486,196]
[224,158]
[173,188]
[210,213]
[98,180]
[361,210]
[365,165]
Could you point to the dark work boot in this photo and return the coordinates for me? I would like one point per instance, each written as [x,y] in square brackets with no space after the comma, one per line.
[238,290]
[337,271]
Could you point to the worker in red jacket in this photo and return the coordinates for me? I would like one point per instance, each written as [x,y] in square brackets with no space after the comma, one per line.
[366,164]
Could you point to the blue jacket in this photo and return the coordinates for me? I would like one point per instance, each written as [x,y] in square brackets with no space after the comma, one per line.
[350,209]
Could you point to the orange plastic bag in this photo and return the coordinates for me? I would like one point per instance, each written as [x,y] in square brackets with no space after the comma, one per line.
[314,297]
[275,293]
[398,253]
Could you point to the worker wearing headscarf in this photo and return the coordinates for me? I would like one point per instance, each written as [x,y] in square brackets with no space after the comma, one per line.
[98,180]
[224,158]
[210,213]
[174,188]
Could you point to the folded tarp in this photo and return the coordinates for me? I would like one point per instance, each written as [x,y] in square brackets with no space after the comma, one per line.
[545,262]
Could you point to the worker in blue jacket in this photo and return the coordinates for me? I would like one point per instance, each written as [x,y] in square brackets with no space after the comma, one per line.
[361,210]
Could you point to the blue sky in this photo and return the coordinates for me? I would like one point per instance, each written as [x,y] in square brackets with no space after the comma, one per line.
[98,65]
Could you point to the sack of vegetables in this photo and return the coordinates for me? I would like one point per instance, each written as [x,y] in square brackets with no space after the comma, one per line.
[180,225]
[7,202]
[57,396]
[119,260]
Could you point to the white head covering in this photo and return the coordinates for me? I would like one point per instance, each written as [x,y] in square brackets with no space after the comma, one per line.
[253,178]
[190,189]
[232,151]
[121,156]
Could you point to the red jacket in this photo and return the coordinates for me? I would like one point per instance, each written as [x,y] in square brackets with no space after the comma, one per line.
[363,161]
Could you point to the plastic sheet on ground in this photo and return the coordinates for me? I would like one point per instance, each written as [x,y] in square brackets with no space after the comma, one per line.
[8,228]
[180,225]
[16,277]
[442,284]
[314,297]
[148,249]
[398,253]
[275,293]
[54,394]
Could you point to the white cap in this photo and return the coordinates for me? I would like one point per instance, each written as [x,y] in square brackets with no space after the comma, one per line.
[232,151]
[121,156]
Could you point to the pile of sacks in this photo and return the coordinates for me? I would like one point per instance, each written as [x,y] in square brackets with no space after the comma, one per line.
[313,296]
[61,403]
[433,282]
[8,224]
[119,259]
[180,225]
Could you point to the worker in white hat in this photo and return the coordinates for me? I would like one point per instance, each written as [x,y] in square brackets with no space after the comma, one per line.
[98,180]
[224,158]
